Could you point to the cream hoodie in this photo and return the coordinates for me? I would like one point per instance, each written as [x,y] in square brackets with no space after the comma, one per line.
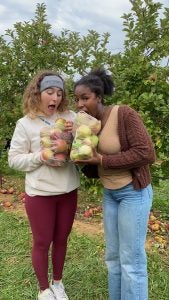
[24,155]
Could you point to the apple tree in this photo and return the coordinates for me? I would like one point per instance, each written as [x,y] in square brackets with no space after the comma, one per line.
[141,73]
[31,46]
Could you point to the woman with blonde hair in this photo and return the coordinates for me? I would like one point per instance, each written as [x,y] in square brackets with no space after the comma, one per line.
[51,191]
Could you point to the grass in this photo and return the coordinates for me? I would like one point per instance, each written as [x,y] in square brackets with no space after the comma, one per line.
[85,274]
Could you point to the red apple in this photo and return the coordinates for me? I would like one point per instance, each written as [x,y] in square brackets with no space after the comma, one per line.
[167,226]
[60,156]
[60,145]
[47,154]
[10,190]
[55,133]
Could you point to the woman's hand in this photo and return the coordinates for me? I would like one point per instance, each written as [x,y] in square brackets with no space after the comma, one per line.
[96,159]
[69,126]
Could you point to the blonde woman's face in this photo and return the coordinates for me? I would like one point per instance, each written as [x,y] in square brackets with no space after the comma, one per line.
[50,100]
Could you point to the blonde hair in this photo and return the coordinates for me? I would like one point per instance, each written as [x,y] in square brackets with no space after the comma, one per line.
[31,96]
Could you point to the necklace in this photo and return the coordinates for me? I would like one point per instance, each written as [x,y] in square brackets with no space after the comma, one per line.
[45,121]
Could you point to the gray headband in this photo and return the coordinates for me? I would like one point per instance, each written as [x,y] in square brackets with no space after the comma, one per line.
[51,81]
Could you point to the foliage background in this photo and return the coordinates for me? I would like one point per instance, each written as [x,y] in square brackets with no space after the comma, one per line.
[140,73]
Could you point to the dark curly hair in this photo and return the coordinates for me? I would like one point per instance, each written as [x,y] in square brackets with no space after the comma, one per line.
[98,81]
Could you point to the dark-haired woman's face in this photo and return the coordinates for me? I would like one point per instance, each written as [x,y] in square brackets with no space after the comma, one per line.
[86,100]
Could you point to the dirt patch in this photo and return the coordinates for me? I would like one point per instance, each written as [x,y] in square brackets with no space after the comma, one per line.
[86,226]
[91,229]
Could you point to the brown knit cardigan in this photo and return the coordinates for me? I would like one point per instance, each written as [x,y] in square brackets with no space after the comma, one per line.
[137,151]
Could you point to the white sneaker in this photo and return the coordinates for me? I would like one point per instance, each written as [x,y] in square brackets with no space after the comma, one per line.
[46,295]
[59,291]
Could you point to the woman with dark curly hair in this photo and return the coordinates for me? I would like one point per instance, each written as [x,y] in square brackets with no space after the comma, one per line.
[125,151]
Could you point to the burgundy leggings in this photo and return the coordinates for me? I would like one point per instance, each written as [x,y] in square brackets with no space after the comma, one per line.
[51,219]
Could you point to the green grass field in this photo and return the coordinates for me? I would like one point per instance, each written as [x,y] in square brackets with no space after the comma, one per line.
[85,274]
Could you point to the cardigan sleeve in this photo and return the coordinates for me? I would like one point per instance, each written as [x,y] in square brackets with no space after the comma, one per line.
[136,146]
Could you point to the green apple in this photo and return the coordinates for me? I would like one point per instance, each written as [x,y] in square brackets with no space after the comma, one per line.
[94,139]
[76,144]
[91,140]
[74,154]
[85,152]
[45,142]
[60,123]
[83,131]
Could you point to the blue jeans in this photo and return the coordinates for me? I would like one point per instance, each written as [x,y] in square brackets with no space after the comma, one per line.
[125,215]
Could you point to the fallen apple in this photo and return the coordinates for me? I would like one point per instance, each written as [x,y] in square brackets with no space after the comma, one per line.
[10,190]
[7,204]
[155,227]
[167,226]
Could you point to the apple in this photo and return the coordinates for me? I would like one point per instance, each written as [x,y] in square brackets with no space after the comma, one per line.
[91,140]
[88,141]
[167,226]
[77,144]
[155,227]
[152,217]
[74,155]
[83,131]
[94,138]
[85,152]
[45,142]
[60,123]
[59,145]
[96,127]
[45,131]
[60,157]
[47,154]
[7,204]
[67,136]
[55,133]
[3,191]
[10,190]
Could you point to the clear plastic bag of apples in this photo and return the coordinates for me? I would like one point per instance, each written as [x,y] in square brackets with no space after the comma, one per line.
[85,132]
[55,143]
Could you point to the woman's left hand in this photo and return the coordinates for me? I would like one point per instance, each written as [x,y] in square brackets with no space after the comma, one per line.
[69,126]
[96,159]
